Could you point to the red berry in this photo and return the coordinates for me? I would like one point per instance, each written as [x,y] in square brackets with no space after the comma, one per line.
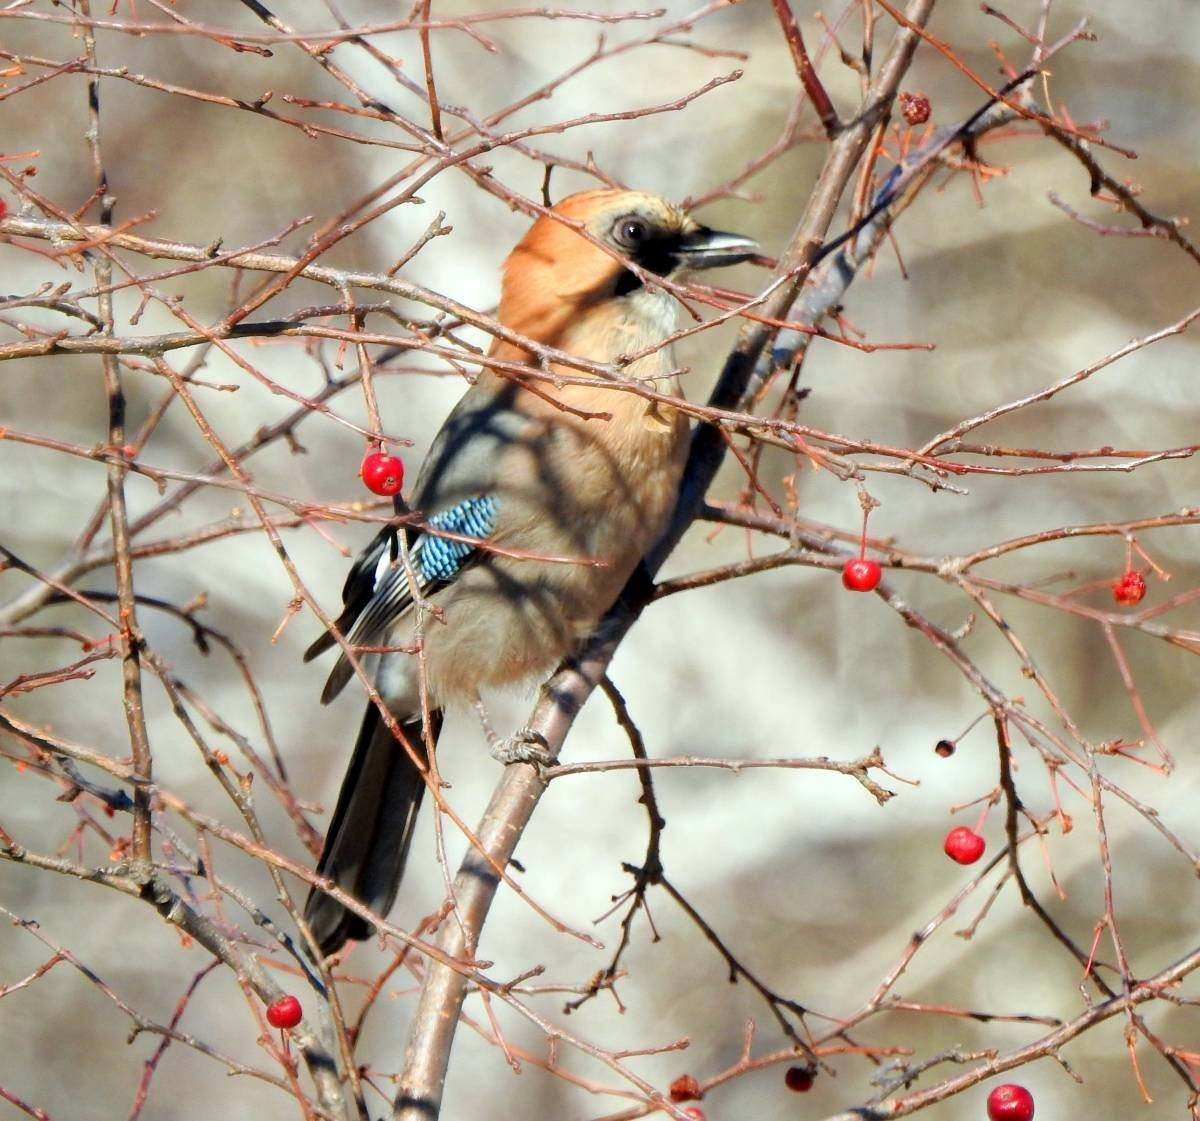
[1010,1102]
[799,1079]
[382,473]
[1129,589]
[685,1089]
[944,748]
[695,1113]
[285,1012]
[914,107]
[963,845]
[861,575]
[3,210]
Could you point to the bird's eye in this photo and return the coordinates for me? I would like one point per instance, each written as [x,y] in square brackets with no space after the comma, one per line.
[631,232]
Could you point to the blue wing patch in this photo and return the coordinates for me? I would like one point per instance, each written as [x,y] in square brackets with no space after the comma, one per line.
[440,558]
[377,591]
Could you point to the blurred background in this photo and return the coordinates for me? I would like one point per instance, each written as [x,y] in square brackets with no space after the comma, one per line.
[815,886]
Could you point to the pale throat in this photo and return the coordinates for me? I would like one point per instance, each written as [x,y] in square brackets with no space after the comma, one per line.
[628,325]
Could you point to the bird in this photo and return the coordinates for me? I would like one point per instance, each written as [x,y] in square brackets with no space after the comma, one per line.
[533,507]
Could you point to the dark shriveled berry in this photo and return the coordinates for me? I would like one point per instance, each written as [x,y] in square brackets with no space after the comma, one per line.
[798,1079]
[914,108]
[685,1089]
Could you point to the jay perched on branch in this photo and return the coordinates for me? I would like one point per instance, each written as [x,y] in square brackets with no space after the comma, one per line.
[530,469]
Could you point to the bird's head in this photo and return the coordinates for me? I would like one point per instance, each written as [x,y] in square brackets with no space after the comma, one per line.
[554,264]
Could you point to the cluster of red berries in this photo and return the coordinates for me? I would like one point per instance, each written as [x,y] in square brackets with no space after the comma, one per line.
[284,1012]
[382,473]
[1010,1102]
[963,845]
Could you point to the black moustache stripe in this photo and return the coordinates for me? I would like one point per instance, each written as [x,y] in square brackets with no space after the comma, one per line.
[657,255]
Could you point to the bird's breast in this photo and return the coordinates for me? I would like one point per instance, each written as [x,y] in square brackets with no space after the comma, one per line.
[584,478]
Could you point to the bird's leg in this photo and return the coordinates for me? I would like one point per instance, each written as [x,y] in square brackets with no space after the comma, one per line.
[488,731]
[526,746]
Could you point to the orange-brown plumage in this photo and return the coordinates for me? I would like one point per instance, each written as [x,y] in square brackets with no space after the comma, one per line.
[554,272]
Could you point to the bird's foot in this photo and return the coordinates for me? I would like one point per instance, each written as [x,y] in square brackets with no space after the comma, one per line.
[527,746]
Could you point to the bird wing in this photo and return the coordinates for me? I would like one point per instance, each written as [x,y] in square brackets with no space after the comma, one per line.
[458,485]
[378,590]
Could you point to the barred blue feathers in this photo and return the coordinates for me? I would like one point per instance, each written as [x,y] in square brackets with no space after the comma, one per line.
[440,558]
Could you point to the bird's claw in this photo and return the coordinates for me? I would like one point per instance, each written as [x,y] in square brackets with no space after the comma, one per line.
[527,746]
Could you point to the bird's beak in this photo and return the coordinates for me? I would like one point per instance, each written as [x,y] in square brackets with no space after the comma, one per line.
[703,248]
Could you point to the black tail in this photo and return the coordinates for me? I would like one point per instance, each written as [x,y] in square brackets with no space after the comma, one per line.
[372,827]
